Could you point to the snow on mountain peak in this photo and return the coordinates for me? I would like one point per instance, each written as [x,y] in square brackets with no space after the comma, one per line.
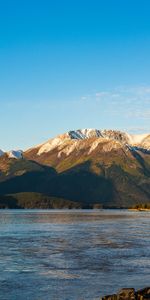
[137,138]
[79,134]
[82,134]
[68,142]
[17,154]
[1,152]
[52,144]
[73,140]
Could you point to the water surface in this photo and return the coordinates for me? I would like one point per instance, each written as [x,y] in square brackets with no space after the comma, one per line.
[72,255]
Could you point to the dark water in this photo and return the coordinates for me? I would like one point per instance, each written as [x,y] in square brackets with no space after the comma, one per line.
[72,255]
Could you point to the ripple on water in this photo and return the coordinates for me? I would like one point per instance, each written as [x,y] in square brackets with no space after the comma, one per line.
[72,255]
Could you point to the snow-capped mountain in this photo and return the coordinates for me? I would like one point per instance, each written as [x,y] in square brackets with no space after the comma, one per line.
[87,166]
[88,140]
[17,154]
[122,137]
[1,152]
[77,139]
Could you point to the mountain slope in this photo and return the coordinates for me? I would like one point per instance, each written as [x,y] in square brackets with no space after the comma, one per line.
[88,167]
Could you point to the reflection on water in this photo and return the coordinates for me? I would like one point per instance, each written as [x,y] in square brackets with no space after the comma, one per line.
[72,255]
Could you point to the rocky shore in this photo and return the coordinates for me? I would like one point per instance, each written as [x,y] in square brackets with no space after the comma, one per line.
[129,294]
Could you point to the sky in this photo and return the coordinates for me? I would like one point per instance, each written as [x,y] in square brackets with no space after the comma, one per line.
[70,64]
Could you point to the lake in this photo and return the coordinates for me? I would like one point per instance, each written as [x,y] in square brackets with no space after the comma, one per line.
[72,255]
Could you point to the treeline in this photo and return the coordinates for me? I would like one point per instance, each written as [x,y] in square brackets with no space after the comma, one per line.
[30,200]
[35,200]
[141,206]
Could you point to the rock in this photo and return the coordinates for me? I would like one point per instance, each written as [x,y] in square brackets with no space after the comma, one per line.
[109,297]
[143,294]
[130,294]
[126,294]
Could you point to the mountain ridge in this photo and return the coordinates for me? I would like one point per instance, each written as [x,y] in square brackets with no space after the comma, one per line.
[134,140]
[85,168]
[73,140]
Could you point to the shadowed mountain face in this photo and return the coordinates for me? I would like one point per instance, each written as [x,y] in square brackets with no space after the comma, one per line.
[86,168]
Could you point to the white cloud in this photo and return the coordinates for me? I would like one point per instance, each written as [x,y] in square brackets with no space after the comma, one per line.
[123,95]
[140,114]
[124,104]
[102,94]
[137,129]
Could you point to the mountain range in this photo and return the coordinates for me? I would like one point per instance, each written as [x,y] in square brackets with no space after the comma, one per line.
[82,168]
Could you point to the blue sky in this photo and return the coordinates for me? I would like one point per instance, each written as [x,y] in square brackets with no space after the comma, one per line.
[73,64]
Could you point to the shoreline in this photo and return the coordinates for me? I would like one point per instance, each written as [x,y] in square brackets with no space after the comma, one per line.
[76,209]
[129,294]
[139,209]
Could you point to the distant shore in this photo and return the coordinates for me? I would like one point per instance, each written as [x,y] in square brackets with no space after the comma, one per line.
[139,209]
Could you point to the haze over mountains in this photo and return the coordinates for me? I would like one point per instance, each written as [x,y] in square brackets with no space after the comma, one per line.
[80,168]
